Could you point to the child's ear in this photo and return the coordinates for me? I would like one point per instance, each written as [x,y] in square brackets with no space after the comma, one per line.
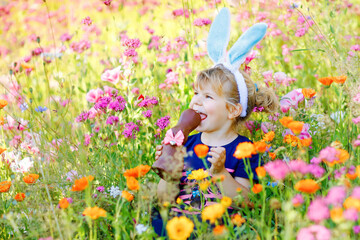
[234,111]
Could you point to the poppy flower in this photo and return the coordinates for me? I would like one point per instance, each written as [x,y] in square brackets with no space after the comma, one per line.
[2,150]
[340,79]
[64,203]
[3,103]
[31,178]
[257,188]
[285,121]
[308,92]
[201,150]
[5,186]
[260,147]
[19,197]
[307,186]
[128,196]
[81,184]
[94,212]
[269,136]
[260,172]
[296,126]
[138,171]
[132,183]
[244,150]
[237,220]
[213,212]
[219,230]
[327,81]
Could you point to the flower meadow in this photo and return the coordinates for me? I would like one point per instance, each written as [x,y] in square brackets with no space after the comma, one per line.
[89,88]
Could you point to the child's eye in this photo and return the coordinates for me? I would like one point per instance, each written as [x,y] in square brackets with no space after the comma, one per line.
[207,96]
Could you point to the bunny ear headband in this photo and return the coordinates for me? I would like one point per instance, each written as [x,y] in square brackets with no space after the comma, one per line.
[217,42]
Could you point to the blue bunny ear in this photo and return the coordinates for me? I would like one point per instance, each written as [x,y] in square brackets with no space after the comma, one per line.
[219,35]
[245,43]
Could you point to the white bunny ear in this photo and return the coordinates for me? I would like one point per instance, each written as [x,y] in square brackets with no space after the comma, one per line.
[245,43]
[219,35]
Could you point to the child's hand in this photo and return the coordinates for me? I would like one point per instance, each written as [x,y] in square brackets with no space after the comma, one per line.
[158,151]
[217,159]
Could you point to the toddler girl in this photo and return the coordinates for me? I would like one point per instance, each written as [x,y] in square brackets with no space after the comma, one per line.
[216,98]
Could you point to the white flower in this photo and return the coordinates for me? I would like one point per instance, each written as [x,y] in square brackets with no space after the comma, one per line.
[23,165]
[140,228]
[115,191]
[337,116]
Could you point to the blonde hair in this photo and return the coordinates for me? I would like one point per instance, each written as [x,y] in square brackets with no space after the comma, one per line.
[223,82]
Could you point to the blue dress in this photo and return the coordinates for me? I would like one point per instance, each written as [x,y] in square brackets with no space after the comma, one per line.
[189,192]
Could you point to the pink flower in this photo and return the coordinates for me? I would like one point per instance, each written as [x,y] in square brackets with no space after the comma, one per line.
[201,22]
[355,47]
[110,91]
[328,154]
[253,54]
[94,95]
[277,169]
[292,99]
[135,91]
[357,98]
[172,78]
[298,166]
[314,232]
[318,210]
[297,200]
[132,43]
[87,139]
[356,120]
[267,126]
[351,214]
[86,21]
[80,46]
[336,195]
[356,193]
[130,52]
[279,77]
[113,75]
[300,32]
[268,75]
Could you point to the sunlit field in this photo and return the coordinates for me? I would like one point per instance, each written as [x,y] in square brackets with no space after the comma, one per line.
[89,88]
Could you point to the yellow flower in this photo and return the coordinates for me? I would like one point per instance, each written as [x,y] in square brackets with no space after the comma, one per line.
[237,220]
[94,212]
[226,201]
[268,137]
[204,185]
[336,214]
[213,212]
[198,174]
[179,228]
[351,202]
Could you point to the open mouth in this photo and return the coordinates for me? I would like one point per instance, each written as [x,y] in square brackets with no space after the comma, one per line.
[202,115]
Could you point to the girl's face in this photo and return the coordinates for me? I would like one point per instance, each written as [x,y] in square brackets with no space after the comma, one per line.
[212,109]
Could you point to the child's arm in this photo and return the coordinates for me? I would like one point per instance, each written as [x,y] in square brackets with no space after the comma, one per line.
[230,185]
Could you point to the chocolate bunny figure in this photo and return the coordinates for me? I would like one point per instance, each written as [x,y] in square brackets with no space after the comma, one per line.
[169,166]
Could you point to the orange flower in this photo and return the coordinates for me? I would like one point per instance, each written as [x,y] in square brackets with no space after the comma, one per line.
[19,197]
[94,212]
[296,126]
[3,103]
[257,188]
[351,202]
[2,121]
[244,150]
[82,183]
[138,171]
[201,150]
[237,220]
[351,176]
[268,137]
[358,170]
[64,203]
[291,139]
[260,147]
[340,79]
[336,214]
[308,92]
[327,81]
[218,230]
[5,186]
[132,183]
[2,150]
[342,155]
[31,178]
[272,155]
[306,142]
[285,121]
[307,186]
[128,196]
[260,171]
